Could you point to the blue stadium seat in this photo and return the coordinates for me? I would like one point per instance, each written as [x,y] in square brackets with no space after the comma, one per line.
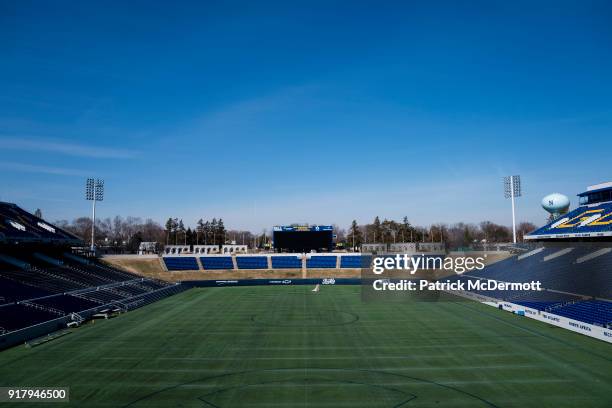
[351,261]
[545,301]
[216,262]
[13,291]
[50,282]
[17,224]
[562,273]
[15,317]
[286,262]
[252,262]
[573,225]
[320,262]
[181,263]
[558,270]
[590,311]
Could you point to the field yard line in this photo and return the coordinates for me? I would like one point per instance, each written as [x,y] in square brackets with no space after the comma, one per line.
[394,368]
[390,383]
[399,357]
[334,348]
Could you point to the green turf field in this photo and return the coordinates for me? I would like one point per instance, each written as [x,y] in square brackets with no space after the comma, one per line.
[289,347]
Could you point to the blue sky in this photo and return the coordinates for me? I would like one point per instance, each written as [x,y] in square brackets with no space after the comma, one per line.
[272,113]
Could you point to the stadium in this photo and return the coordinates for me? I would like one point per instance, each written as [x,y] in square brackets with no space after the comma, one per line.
[137,340]
[273,204]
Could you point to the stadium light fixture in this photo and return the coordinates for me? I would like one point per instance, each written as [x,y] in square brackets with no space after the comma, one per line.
[512,189]
[94,191]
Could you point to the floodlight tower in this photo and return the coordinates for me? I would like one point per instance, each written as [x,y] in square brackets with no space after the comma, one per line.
[512,189]
[94,191]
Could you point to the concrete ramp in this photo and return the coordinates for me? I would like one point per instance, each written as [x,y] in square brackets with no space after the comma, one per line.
[558,254]
[530,253]
[594,255]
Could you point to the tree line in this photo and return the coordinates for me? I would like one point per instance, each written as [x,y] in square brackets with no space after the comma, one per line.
[118,233]
[126,234]
[455,235]
[205,233]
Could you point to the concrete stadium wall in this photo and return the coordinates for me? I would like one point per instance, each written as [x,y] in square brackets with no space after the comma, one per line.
[38,330]
[271,282]
[21,336]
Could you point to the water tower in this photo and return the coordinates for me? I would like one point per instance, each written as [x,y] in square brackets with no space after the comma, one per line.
[556,204]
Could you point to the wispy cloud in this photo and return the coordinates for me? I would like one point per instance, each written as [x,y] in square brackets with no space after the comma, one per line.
[71,149]
[262,112]
[30,168]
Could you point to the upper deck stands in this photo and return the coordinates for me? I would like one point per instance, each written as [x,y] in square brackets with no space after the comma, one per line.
[587,221]
[17,225]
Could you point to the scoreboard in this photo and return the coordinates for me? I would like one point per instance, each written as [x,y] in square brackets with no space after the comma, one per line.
[303,238]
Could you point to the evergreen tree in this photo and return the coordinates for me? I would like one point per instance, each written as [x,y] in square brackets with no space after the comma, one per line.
[189,236]
[377,230]
[405,230]
[199,230]
[38,213]
[181,229]
[213,230]
[169,225]
[206,232]
[221,231]
[175,230]
[354,238]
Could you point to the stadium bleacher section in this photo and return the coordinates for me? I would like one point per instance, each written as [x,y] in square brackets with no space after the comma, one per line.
[66,288]
[252,262]
[187,262]
[16,316]
[583,222]
[286,262]
[350,261]
[576,277]
[321,262]
[217,262]
[17,225]
[597,312]
[176,263]
[44,286]
[12,291]
[564,273]
[544,301]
